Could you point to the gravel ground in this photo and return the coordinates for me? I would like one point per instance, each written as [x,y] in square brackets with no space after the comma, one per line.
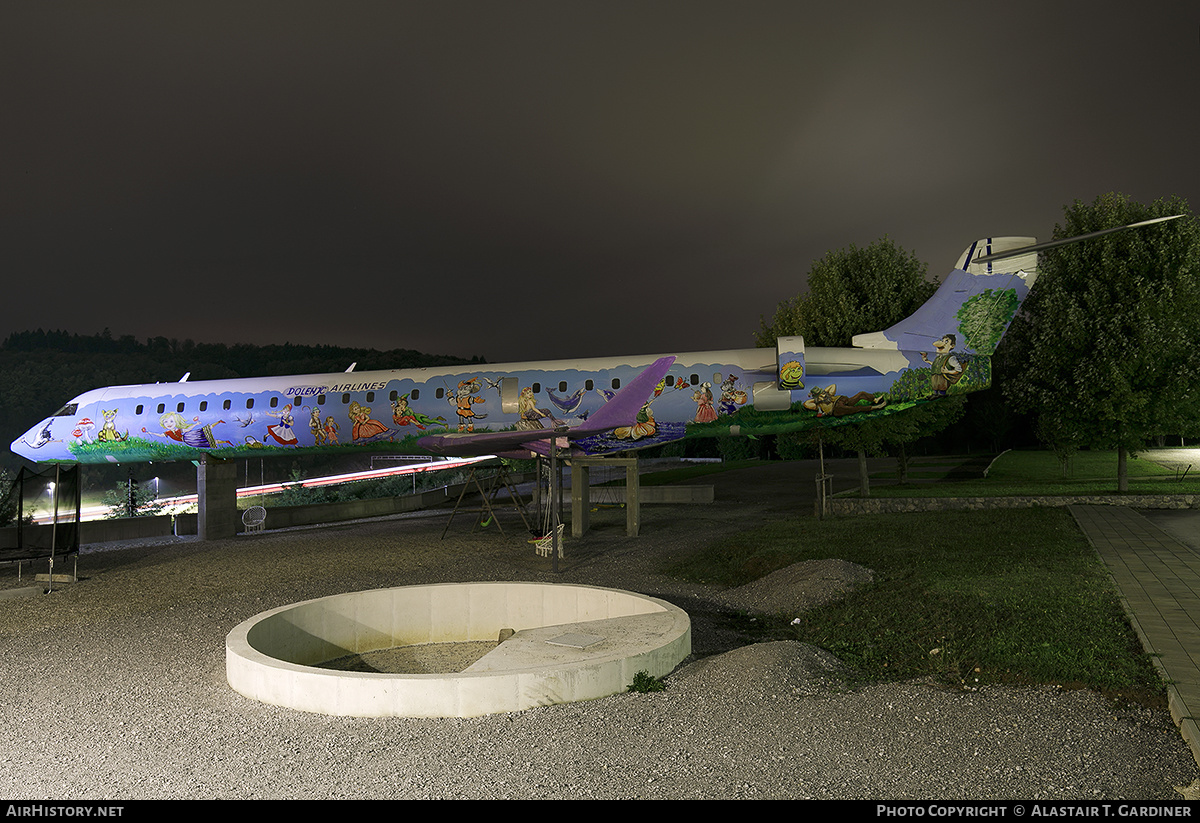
[115,688]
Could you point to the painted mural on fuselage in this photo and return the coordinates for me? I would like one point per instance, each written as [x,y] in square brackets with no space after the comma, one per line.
[704,394]
[941,349]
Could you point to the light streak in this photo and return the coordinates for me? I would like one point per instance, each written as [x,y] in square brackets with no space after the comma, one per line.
[179,502]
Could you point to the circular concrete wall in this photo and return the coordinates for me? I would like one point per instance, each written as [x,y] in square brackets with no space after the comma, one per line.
[571,643]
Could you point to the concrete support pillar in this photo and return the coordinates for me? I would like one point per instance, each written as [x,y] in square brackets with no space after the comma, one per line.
[216,483]
[580,492]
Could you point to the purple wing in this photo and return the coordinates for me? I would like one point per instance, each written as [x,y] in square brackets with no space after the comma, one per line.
[623,408]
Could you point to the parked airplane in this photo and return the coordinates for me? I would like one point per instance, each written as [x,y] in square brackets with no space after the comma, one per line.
[614,404]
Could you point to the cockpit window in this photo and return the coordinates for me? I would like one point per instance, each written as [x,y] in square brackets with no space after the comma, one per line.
[67,410]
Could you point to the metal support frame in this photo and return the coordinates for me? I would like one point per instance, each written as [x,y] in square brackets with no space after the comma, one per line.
[824,481]
[500,479]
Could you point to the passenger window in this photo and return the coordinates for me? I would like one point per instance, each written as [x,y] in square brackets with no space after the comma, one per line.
[138,410]
[203,405]
[226,405]
[616,384]
[415,394]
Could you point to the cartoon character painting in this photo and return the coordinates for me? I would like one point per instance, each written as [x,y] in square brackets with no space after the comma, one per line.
[705,412]
[314,426]
[731,395]
[281,432]
[463,399]
[404,415]
[331,430]
[825,401]
[108,432]
[364,426]
[176,427]
[530,415]
[947,370]
[643,427]
[791,375]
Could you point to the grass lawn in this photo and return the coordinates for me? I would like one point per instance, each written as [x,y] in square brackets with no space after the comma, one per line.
[1041,473]
[968,598]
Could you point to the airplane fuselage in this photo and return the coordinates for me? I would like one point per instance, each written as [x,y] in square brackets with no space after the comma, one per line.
[708,392]
[943,348]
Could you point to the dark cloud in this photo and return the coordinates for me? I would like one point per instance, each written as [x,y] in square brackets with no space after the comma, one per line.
[527,180]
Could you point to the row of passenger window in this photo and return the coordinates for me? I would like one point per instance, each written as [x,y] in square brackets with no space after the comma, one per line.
[415,394]
[274,402]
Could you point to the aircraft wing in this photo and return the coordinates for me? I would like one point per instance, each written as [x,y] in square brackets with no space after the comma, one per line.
[463,444]
[621,410]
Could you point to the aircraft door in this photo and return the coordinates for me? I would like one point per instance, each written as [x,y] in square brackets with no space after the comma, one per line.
[509,395]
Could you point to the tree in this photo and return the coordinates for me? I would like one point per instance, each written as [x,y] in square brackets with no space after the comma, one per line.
[1106,344]
[852,291]
[892,433]
[128,499]
[9,498]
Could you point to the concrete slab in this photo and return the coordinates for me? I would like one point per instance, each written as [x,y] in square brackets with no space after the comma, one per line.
[273,656]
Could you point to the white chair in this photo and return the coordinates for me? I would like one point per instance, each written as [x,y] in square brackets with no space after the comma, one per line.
[253,519]
[545,545]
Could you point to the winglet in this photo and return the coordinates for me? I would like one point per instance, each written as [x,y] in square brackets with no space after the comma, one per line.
[622,409]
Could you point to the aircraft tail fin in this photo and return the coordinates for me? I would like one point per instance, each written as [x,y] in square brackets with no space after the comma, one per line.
[977,300]
[974,303]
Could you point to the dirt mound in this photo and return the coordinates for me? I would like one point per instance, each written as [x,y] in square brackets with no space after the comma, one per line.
[787,665]
[799,587]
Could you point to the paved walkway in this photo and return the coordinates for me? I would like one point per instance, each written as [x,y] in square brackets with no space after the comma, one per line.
[1158,578]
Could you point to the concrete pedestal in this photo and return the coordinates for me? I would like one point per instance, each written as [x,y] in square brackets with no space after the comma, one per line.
[216,485]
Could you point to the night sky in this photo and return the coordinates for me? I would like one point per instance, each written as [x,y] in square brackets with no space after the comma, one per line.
[535,180]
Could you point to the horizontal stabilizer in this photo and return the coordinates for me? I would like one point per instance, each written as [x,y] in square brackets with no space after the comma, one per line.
[1053,244]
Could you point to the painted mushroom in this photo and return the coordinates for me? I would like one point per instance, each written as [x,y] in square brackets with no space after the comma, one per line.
[84,429]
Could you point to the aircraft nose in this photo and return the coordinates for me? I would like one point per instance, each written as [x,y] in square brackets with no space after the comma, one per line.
[28,444]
